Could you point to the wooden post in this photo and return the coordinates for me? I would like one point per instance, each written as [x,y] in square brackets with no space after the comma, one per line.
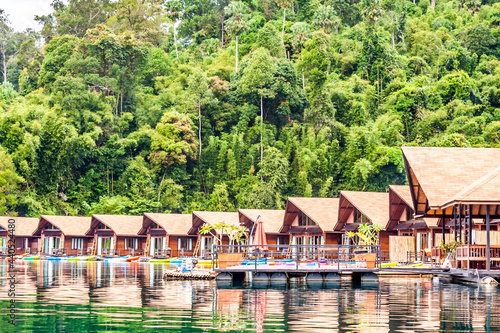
[470,224]
[460,223]
[444,227]
[455,221]
[488,246]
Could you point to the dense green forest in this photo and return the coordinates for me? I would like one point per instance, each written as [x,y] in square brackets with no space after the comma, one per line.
[130,106]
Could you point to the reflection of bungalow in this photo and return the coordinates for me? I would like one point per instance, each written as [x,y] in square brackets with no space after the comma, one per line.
[311,221]
[460,184]
[272,221]
[63,234]
[357,208]
[168,234]
[200,218]
[23,231]
[117,234]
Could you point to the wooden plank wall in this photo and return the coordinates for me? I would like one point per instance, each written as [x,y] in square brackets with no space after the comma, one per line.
[481,237]
[399,246]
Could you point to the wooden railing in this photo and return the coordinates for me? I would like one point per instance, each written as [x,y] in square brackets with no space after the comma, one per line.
[477,252]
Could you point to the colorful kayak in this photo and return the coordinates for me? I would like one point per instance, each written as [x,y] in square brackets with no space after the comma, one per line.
[133,258]
[163,259]
[389,264]
[60,258]
[116,259]
[81,258]
[31,258]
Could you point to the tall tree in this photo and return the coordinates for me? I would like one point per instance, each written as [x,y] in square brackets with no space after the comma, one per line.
[237,23]
[258,77]
[284,4]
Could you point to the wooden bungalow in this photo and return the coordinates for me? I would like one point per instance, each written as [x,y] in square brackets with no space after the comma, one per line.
[23,234]
[272,220]
[413,235]
[310,221]
[357,208]
[63,235]
[461,184]
[117,235]
[204,242]
[167,234]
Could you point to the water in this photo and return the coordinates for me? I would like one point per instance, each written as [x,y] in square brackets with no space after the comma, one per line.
[132,297]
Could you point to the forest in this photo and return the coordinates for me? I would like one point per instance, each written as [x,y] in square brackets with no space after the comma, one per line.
[132,106]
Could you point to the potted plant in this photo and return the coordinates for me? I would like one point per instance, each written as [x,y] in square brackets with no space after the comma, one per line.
[367,235]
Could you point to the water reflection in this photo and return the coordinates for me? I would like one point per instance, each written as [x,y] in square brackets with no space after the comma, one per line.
[98,296]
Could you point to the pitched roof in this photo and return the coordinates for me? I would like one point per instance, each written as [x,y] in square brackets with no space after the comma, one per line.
[214,217]
[403,191]
[24,226]
[122,225]
[323,211]
[373,205]
[453,174]
[69,225]
[173,224]
[272,219]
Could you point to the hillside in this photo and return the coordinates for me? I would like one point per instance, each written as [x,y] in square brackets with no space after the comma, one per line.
[171,106]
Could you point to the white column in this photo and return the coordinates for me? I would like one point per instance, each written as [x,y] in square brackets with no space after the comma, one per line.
[152,246]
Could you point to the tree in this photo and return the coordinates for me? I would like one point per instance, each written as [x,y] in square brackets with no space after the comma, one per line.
[9,184]
[326,17]
[236,24]
[257,77]
[199,89]
[284,4]
[173,141]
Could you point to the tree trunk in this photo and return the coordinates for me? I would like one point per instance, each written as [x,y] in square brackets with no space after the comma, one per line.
[433,4]
[175,42]
[222,31]
[4,62]
[199,124]
[393,43]
[261,129]
[236,53]
[303,81]
[283,29]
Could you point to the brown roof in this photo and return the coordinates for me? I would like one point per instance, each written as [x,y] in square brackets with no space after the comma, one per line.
[403,191]
[201,217]
[373,205]
[173,224]
[272,219]
[24,226]
[122,225]
[69,225]
[214,217]
[323,211]
[447,175]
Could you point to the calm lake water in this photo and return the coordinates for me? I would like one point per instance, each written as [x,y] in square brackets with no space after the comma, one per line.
[132,297]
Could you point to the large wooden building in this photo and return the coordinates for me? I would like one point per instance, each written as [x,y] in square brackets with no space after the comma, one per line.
[117,234]
[167,234]
[461,184]
[63,235]
[310,221]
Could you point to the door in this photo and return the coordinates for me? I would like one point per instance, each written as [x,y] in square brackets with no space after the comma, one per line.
[99,246]
[152,246]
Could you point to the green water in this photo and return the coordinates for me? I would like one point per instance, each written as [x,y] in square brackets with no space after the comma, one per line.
[132,297]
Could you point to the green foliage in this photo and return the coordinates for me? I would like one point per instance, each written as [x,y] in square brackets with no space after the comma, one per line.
[108,108]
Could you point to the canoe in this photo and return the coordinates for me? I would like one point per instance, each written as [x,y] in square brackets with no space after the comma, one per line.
[162,259]
[81,258]
[389,264]
[117,259]
[60,258]
[31,258]
[133,258]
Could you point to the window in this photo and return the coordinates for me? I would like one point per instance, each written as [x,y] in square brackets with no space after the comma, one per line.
[304,220]
[360,218]
[102,226]
[185,243]
[131,243]
[50,227]
[155,226]
[76,243]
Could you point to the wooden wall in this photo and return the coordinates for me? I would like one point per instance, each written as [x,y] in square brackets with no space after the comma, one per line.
[481,237]
[399,246]
[333,238]
[384,239]
[71,252]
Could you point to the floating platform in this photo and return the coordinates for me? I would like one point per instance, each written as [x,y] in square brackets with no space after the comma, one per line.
[193,275]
